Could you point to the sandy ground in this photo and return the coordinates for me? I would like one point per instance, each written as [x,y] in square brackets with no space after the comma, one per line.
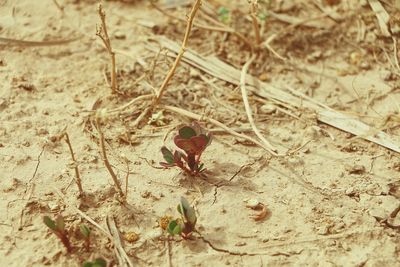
[327,200]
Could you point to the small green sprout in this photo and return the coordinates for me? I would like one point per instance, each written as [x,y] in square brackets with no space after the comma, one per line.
[224,15]
[58,228]
[186,224]
[86,234]
[99,262]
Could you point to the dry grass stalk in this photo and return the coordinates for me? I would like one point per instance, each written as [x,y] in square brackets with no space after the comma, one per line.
[105,159]
[178,59]
[253,14]
[77,175]
[219,28]
[103,34]
[226,72]
[247,106]
[120,252]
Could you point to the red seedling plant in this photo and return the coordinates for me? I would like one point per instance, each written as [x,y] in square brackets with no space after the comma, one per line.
[192,140]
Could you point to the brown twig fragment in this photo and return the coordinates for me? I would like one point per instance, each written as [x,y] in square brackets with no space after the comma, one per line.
[253,14]
[77,175]
[178,59]
[105,159]
[101,32]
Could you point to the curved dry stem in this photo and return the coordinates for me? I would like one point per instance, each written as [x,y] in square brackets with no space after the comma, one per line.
[247,106]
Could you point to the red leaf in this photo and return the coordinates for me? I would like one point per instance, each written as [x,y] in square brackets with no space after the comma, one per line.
[186,145]
[200,142]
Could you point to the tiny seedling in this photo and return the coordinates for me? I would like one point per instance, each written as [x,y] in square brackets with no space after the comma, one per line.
[58,228]
[224,15]
[185,225]
[192,140]
[86,234]
[99,262]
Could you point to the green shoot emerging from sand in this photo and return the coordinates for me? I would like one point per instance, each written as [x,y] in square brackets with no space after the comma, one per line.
[186,224]
[58,228]
[85,231]
[99,262]
[192,140]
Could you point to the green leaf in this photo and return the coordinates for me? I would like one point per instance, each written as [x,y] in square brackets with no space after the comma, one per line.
[99,262]
[179,209]
[167,154]
[171,226]
[201,166]
[87,264]
[186,132]
[49,223]
[177,230]
[189,212]
[84,230]
[60,224]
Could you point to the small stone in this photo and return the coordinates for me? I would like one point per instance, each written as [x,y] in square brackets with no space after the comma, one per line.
[378,214]
[268,109]
[365,66]
[42,131]
[295,161]
[252,203]
[356,169]
[119,35]
[349,191]
[53,206]
[13,186]
[324,230]
[264,77]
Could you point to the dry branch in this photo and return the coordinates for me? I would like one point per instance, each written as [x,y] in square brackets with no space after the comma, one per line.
[178,59]
[103,34]
[77,175]
[253,14]
[105,159]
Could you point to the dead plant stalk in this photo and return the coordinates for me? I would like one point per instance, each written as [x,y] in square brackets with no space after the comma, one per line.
[77,175]
[102,33]
[247,106]
[253,14]
[178,59]
[105,159]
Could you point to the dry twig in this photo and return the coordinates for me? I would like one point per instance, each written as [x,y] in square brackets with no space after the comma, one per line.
[105,159]
[120,252]
[178,59]
[247,106]
[101,32]
[77,175]
[253,14]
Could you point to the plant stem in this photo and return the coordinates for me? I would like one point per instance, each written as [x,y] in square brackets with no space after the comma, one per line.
[103,34]
[178,59]
[65,240]
[77,175]
[253,14]
[105,159]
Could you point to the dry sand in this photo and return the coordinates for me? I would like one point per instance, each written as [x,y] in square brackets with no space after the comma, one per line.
[327,201]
